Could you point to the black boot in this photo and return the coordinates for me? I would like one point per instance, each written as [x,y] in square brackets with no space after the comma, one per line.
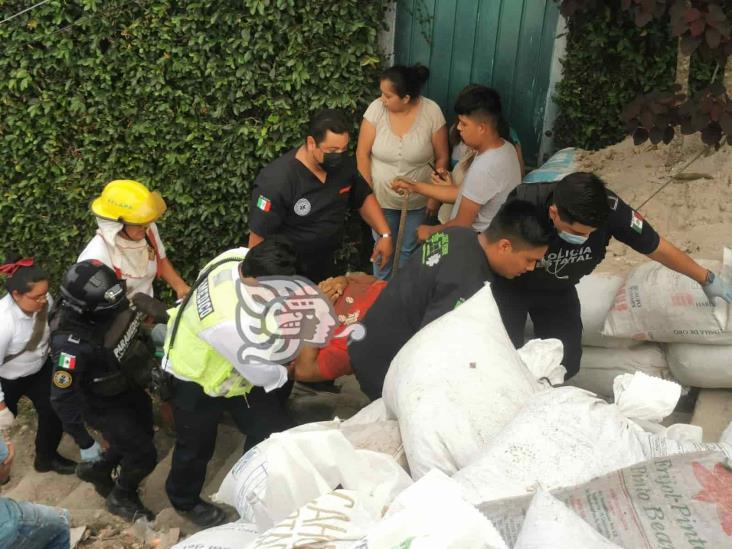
[57,463]
[205,514]
[99,473]
[127,504]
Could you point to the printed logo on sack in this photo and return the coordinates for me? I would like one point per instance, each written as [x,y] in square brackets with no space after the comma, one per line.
[716,486]
[302,207]
[276,316]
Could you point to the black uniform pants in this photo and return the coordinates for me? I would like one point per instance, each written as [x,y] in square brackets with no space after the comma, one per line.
[128,428]
[555,314]
[196,418]
[37,387]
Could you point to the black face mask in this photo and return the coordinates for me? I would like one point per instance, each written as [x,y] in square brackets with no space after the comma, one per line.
[331,160]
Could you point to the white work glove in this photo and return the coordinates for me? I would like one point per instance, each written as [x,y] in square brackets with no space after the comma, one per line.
[717,288]
[6,418]
[93,453]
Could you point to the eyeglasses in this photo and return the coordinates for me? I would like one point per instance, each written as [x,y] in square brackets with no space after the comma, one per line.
[37,298]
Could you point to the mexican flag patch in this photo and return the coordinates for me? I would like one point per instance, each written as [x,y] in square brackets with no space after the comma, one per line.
[67,361]
[263,203]
[636,222]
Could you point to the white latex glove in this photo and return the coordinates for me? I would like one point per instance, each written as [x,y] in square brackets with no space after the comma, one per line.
[717,288]
[93,453]
[6,418]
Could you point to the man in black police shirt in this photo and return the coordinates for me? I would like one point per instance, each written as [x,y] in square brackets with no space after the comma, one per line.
[306,193]
[585,216]
[449,268]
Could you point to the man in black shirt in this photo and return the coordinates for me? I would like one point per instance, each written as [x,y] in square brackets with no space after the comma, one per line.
[585,215]
[450,267]
[306,193]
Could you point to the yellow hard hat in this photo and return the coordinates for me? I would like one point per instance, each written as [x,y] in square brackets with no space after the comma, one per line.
[129,202]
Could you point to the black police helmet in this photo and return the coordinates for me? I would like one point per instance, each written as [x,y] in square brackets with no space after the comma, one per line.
[91,287]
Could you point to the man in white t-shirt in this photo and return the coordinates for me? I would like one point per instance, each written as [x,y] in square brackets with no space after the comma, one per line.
[494,173]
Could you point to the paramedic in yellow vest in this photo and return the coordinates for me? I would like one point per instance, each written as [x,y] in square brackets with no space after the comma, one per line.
[127,238]
[202,354]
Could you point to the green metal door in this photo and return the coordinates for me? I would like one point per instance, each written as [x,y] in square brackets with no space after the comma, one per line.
[505,44]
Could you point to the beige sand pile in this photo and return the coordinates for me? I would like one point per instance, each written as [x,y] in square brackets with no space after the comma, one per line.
[695,214]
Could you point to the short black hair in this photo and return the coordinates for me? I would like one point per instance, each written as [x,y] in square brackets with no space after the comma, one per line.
[407,81]
[274,256]
[581,197]
[327,120]
[24,278]
[483,103]
[521,222]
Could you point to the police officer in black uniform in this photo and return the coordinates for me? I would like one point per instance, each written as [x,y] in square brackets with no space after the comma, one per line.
[305,194]
[585,216]
[99,373]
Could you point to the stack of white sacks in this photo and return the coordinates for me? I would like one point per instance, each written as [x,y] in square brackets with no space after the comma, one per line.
[461,402]
[658,305]
[657,322]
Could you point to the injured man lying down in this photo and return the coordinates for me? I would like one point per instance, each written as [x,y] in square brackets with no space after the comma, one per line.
[352,296]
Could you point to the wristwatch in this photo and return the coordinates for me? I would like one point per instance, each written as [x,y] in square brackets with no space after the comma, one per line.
[385,235]
[709,279]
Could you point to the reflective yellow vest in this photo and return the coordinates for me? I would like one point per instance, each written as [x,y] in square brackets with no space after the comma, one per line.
[213,302]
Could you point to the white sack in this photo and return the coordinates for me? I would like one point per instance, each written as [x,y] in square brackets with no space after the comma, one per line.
[561,437]
[670,502]
[375,411]
[234,535]
[289,469]
[455,384]
[705,366]
[337,520]
[600,366]
[549,524]
[542,357]
[642,397]
[596,294]
[433,514]
[655,446]
[658,304]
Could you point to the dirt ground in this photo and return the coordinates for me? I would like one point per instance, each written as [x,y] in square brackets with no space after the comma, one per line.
[694,214]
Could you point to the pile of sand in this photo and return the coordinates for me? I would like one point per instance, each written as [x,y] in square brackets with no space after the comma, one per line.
[694,214]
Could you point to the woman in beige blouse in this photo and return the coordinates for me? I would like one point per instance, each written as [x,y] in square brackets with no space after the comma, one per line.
[402,133]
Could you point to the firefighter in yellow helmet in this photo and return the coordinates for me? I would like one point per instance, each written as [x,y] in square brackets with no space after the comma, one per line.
[127,238]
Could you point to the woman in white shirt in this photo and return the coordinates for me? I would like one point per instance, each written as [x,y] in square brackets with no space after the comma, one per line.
[25,368]
[402,133]
[127,239]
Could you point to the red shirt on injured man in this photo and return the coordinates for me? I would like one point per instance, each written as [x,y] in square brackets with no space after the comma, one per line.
[353,295]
